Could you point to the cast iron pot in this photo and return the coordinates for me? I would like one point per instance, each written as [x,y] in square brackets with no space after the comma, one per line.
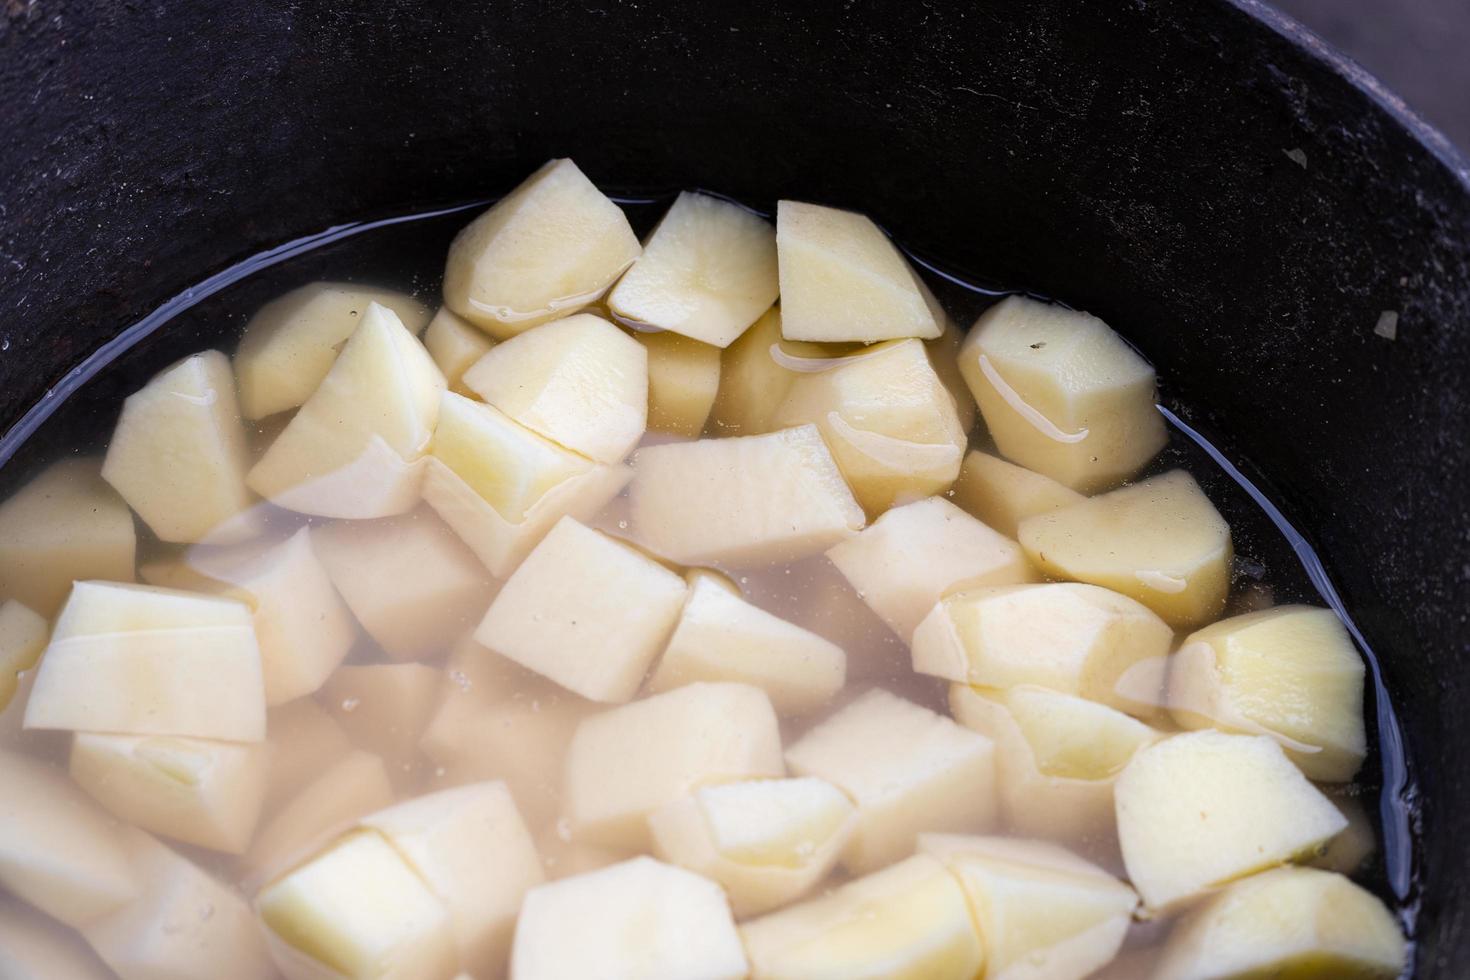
[1203,172]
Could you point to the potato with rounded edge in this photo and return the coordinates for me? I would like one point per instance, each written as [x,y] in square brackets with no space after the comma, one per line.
[683,382]
[455,344]
[23,636]
[1003,494]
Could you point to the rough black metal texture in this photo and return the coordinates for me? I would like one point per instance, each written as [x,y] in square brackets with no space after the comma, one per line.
[1199,173]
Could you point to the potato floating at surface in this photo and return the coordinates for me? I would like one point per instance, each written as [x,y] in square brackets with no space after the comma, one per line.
[289,345]
[546,249]
[639,920]
[455,344]
[1003,494]
[907,559]
[23,636]
[909,770]
[355,785]
[909,921]
[683,381]
[1160,541]
[32,948]
[302,741]
[707,272]
[1201,809]
[751,500]
[1290,672]
[384,708]
[178,454]
[842,279]
[1296,922]
[1062,394]
[752,382]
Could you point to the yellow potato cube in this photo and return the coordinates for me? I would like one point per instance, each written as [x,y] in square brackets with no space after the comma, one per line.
[302,741]
[683,381]
[23,636]
[753,383]
[33,948]
[384,708]
[454,343]
[1003,494]
[354,786]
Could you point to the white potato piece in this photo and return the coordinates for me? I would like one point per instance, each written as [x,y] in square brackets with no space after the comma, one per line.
[842,279]
[1160,541]
[627,762]
[409,580]
[384,708]
[1298,922]
[546,249]
[1062,394]
[903,562]
[908,769]
[194,790]
[586,611]
[178,455]
[1043,913]
[1201,809]
[683,382]
[721,637]
[767,842]
[909,921]
[33,948]
[454,343]
[580,382]
[355,785]
[751,500]
[302,741]
[888,419]
[290,343]
[358,910]
[1291,672]
[352,450]
[1350,849]
[1003,494]
[23,635]
[58,850]
[65,525]
[1077,639]
[753,383]
[944,352]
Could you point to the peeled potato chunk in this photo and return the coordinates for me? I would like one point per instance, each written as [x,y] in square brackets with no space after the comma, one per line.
[752,500]
[290,343]
[1291,672]
[625,763]
[32,948]
[580,382]
[753,383]
[455,344]
[193,790]
[638,920]
[765,841]
[352,450]
[1003,494]
[1062,394]
[1201,809]
[1043,913]
[302,741]
[549,247]
[383,708]
[23,636]
[350,788]
[64,525]
[683,381]
[909,921]
[721,637]
[908,769]
[944,352]
[178,455]
[1297,922]
[903,562]
[707,272]
[842,279]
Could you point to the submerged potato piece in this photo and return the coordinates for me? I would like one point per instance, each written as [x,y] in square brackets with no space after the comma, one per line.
[178,455]
[563,858]
[944,352]
[23,635]
[33,948]
[903,562]
[638,920]
[580,382]
[1296,922]
[302,741]
[586,611]
[765,841]
[753,383]
[1062,394]
[1291,672]
[290,343]
[1077,639]
[383,708]
[721,637]
[195,790]
[454,343]
[1201,809]
[1043,913]
[1003,494]
[888,419]
[683,381]
[908,769]
[549,247]
[752,500]
[1160,541]
[842,279]
[350,788]
[909,921]
[64,525]
[627,762]
[352,449]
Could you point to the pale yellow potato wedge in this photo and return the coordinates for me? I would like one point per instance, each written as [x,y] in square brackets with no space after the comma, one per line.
[1003,494]
[302,741]
[33,948]
[944,352]
[1350,849]
[455,344]
[384,708]
[753,383]
[23,635]
[683,382]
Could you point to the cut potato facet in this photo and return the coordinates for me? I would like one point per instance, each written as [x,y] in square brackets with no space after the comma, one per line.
[1160,541]
[23,635]
[178,455]
[842,279]
[909,770]
[546,249]
[455,344]
[1003,494]
[1201,809]
[707,272]
[384,708]
[302,741]
[944,353]
[32,948]
[683,381]
[753,383]
[354,786]
[1062,394]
